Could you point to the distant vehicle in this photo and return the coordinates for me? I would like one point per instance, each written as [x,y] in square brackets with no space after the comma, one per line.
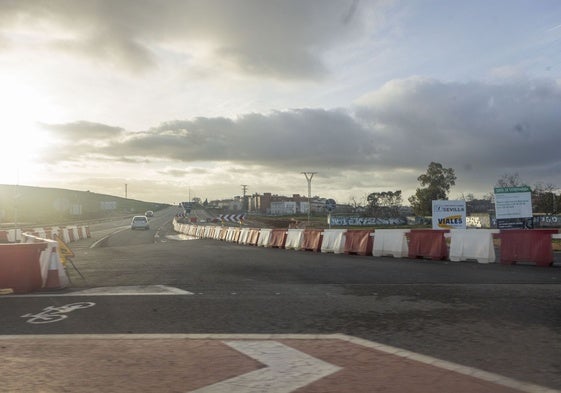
[139,222]
[149,213]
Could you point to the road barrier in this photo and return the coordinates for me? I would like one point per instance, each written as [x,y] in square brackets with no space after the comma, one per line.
[312,240]
[278,238]
[390,242]
[519,245]
[294,239]
[428,243]
[52,270]
[19,266]
[470,244]
[534,246]
[358,241]
[34,263]
[264,237]
[333,241]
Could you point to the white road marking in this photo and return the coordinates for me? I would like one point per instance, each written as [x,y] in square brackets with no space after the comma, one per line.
[145,290]
[287,369]
[181,237]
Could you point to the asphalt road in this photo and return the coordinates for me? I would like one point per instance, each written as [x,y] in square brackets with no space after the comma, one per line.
[503,319]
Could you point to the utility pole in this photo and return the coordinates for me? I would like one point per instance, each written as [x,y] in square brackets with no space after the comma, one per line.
[309,177]
[126,190]
[244,190]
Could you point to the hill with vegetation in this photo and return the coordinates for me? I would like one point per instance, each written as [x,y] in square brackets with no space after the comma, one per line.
[27,205]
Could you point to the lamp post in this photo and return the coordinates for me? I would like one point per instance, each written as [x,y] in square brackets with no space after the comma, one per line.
[309,177]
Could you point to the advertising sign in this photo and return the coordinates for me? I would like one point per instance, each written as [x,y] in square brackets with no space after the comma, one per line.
[448,214]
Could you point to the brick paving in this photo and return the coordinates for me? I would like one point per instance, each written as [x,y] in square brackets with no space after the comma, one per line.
[184,363]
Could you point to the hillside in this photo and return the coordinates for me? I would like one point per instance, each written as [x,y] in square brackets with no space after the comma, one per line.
[38,205]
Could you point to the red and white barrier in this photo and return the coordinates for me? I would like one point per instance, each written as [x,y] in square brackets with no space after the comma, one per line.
[52,270]
[294,238]
[390,242]
[333,241]
[473,244]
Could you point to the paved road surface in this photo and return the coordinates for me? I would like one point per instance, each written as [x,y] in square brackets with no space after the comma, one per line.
[501,319]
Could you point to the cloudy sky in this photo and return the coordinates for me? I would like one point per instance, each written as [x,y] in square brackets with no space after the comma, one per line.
[169,96]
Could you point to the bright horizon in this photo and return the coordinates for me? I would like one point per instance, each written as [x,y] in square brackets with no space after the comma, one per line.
[206,96]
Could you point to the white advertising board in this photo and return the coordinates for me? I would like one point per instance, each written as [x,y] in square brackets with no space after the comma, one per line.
[448,214]
[513,202]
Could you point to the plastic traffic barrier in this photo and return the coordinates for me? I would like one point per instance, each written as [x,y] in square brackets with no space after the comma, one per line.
[333,241]
[20,266]
[527,245]
[358,241]
[264,237]
[294,239]
[278,238]
[390,242]
[428,243]
[472,244]
[312,240]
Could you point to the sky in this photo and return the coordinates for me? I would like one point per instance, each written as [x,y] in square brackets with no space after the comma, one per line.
[179,98]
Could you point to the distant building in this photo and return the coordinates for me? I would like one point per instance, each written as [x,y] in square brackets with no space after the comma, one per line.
[267,203]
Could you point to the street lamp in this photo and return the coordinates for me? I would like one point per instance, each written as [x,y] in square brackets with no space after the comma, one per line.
[309,177]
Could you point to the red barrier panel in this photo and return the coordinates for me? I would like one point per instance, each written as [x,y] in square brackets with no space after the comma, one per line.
[253,237]
[312,240]
[4,237]
[358,241]
[236,237]
[19,266]
[278,238]
[527,245]
[428,243]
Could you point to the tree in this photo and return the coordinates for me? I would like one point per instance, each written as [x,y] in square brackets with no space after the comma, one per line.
[544,199]
[437,182]
[384,204]
[510,180]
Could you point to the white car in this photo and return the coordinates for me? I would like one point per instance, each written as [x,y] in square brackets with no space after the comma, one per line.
[149,213]
[140,222]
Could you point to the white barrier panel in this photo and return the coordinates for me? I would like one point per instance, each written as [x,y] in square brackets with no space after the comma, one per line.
[65,233]
[294,239]
[231,234]
[244,235]
[264,237]
[83,232]
[52,270]
[333,241]
[209,230]
[390,242]
[217,233]
[472,244]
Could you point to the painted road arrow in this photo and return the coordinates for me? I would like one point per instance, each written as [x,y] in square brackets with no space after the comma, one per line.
[287,369]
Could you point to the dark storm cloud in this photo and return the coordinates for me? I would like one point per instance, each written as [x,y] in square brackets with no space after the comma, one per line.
[289,139]
[273,38]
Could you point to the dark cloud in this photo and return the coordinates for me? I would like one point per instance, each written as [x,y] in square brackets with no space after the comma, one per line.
[389,137]
[271,38]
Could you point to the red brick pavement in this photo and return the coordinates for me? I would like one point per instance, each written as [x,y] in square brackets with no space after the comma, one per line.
[182,363]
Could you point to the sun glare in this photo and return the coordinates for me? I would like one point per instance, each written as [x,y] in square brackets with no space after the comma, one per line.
[21,138]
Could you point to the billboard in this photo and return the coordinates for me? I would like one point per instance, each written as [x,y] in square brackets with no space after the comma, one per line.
[513,202]
[448,214]
[513,207]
